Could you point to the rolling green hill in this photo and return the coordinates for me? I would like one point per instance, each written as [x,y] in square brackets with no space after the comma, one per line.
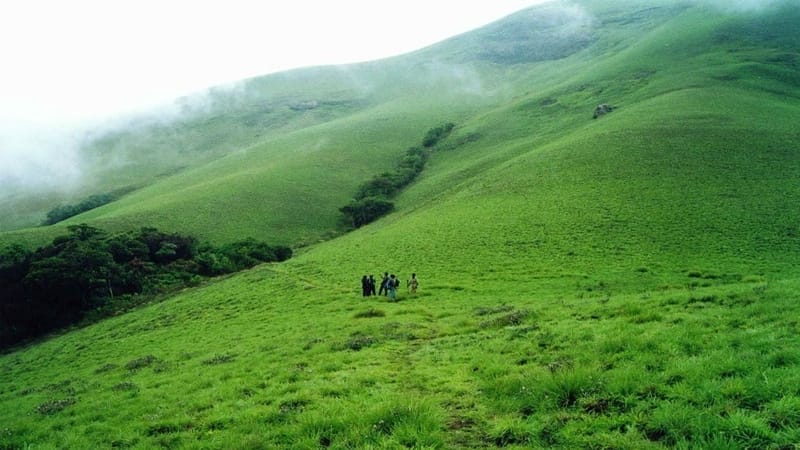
[628,281]
[323,131]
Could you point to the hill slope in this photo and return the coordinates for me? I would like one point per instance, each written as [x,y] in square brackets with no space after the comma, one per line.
[323,131]
[628,281]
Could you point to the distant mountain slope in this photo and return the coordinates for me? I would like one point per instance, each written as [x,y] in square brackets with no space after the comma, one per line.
[691,172]
[411,93]
[274,157]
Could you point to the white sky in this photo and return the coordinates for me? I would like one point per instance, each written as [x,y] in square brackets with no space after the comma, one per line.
[68,61]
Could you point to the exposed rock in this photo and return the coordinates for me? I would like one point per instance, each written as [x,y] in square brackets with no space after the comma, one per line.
[602,109]
[303,106]
[549,101]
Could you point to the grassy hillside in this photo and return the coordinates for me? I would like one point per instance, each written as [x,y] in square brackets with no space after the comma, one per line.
[313,166]
[628,281]
[273,359]
[332,127]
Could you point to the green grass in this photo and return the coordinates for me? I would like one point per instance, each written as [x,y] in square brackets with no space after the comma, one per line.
[271,358]
[625,282]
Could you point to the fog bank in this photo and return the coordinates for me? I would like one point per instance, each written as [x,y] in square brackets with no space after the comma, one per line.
[37,157]
[747,5]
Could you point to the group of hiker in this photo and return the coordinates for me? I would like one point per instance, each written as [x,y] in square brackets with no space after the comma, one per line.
[388,285]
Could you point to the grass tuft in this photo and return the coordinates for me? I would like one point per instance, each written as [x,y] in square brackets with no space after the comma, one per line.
[220,359]
[125,386]
[372,312]
[105,368]
[514,318]
[141,362]
[51,407]
[356,342]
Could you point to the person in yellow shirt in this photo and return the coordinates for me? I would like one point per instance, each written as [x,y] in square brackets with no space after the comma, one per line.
[413,283]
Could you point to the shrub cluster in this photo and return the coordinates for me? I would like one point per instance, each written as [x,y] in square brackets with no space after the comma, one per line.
[138,363]
[363,211]
[88,274]
[64,212]
[512,319]
[53,406]
[219,359]
[372,198]
[435,135]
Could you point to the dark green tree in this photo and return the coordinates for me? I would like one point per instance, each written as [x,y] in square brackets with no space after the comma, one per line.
[366,210]
[371,199]
[87,273]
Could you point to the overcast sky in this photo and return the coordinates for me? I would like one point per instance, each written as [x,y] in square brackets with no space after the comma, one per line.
[66,61]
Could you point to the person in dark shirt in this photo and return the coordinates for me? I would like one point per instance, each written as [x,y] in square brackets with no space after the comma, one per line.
[384,281]
[372,285]
[365,286]
[391,287]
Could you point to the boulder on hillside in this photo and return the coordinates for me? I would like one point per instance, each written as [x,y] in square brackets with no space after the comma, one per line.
[304,106]
[602,109]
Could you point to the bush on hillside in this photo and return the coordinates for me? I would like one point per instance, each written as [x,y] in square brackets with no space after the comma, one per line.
[381,186]
[239,255]
[371,200]
[87,275]
[366,210]
[64,212]
[434,135]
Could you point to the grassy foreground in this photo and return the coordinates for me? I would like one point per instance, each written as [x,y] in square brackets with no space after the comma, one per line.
[275,359]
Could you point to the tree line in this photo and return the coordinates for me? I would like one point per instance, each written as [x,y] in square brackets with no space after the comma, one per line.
[372,200]
[88,274]
[64,212]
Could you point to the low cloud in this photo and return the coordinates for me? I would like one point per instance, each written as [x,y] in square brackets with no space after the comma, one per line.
[38,157]
[746,5]
[46,157]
